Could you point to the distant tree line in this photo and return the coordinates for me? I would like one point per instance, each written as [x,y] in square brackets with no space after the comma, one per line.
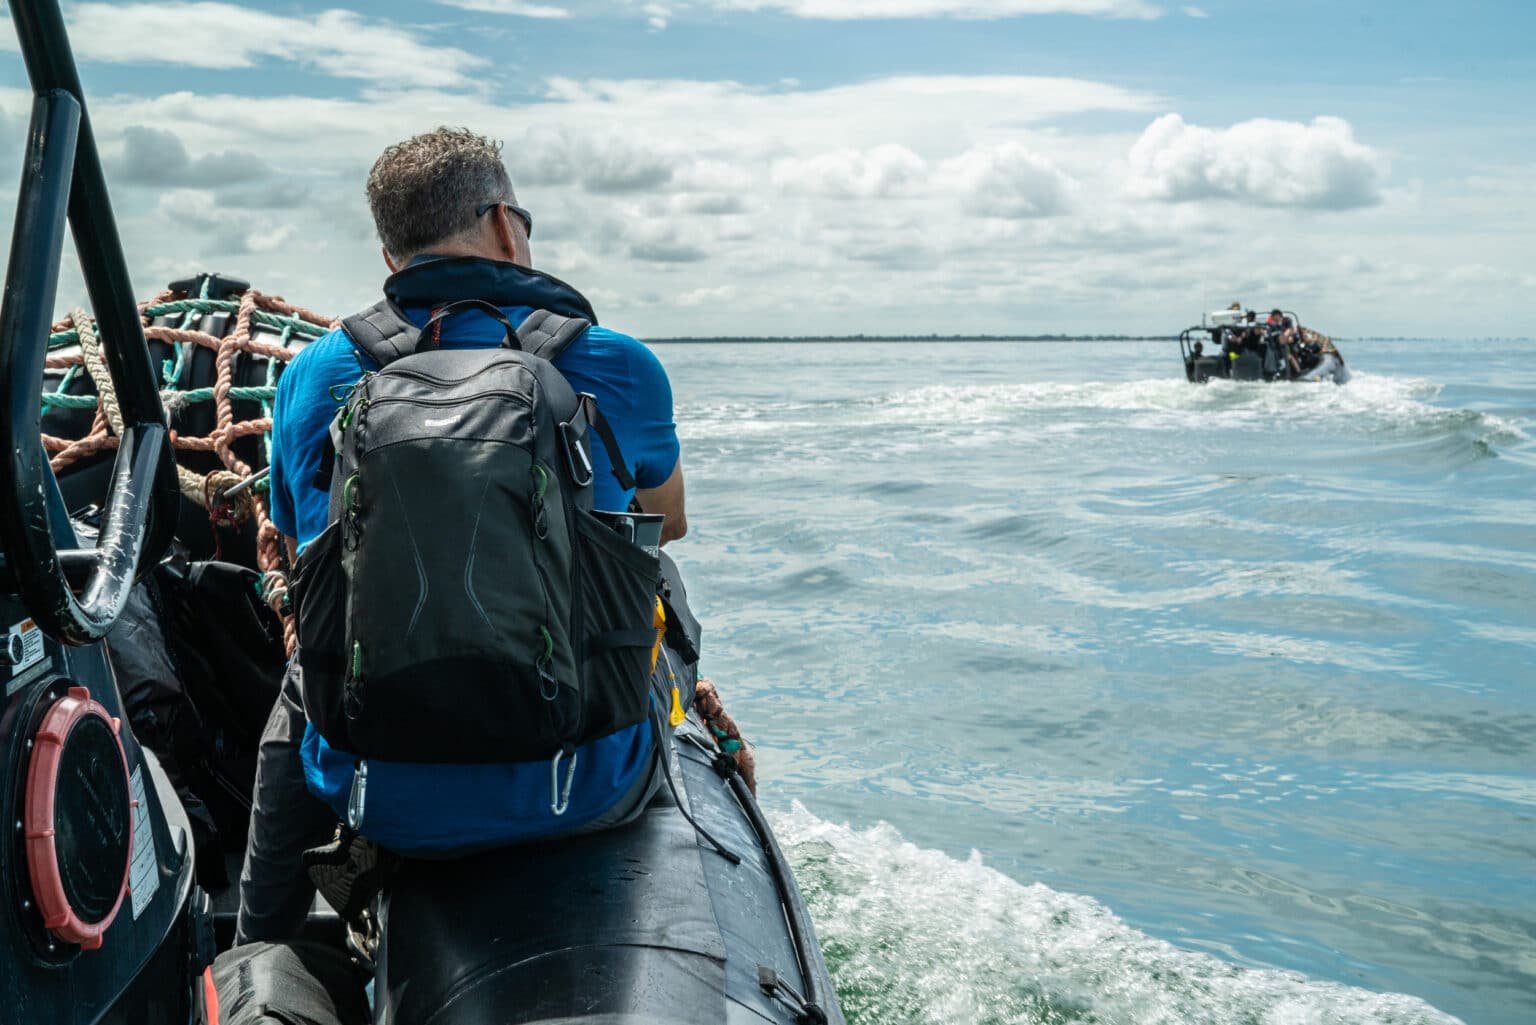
[1164,336]
[1149,337]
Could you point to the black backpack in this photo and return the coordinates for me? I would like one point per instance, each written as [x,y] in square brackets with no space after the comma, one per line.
[464,605]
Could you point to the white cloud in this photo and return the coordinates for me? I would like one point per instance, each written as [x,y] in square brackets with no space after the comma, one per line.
[600,164]
[968,9]
[1267,163]
[1195,12]
[670,204]
[710,295]
[157,156]
[512,8]
[1008,180]
[851,174]
[210,34]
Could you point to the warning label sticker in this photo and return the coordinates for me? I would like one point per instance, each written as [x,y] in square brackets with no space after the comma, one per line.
[144,873]
[24,647]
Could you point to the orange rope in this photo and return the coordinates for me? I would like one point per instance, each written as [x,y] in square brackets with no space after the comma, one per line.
[723,729]
[226,431]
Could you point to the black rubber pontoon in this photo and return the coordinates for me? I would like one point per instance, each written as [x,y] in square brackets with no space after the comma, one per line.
[635,925]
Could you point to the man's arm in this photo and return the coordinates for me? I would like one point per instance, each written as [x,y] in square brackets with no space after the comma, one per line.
[668,498]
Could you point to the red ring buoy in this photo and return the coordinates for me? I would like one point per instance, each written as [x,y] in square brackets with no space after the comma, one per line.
[43,856]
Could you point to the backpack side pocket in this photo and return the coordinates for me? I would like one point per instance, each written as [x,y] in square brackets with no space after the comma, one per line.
[617,583]
[319,594]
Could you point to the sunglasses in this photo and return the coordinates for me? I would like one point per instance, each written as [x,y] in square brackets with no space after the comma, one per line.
[523,215]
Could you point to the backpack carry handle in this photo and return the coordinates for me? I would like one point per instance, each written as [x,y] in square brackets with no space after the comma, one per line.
[427,340]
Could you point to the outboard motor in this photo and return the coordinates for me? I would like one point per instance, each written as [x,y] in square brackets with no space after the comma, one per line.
[99,919]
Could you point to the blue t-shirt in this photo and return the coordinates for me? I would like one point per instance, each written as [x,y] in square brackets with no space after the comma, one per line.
[627,379]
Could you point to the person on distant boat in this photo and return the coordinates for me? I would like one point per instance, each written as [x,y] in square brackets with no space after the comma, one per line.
[447,217]
[1231,343]
[1287,342]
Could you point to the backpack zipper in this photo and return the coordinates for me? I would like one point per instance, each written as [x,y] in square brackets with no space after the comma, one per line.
[459,401]
[397,371]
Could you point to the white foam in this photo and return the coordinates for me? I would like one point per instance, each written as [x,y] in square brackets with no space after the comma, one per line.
[915,937]
[1370,402]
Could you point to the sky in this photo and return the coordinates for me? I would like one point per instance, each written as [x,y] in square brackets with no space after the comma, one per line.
[831,167]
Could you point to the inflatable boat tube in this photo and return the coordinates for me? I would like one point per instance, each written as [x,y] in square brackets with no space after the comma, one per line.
[1330,368]
[647,923]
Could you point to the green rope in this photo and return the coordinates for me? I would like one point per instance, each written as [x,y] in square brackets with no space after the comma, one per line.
[289,330]
[192,307]
[253,394]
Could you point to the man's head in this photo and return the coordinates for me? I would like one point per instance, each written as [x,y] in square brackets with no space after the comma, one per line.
[446,192]
[1274,316]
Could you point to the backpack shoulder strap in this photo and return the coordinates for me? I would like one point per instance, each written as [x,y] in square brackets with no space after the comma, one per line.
[382,332]
[547,335]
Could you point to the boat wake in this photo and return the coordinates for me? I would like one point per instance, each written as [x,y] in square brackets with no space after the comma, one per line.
[1395,408]
[915,937]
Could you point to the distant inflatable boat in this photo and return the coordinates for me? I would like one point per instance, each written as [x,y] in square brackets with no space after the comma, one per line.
[1237,345]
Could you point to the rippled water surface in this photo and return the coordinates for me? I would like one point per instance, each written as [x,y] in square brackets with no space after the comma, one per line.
[1083,694]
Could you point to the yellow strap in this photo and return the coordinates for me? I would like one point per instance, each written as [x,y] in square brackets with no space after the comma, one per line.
[675,717]
[661,631]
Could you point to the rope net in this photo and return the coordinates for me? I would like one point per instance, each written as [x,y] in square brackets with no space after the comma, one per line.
[258,335]
[262,338]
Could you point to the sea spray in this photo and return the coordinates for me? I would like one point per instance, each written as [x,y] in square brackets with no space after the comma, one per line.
[915,937]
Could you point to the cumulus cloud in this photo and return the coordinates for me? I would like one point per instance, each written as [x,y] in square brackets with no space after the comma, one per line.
[211,34]
[1008,180]
[667,252]
[278,196]
[1263,162]
[599,163]
[157,156]
[649,192]
[223,231]
[512,8]
[713,204]
[708,295]
[852,174]
[969,9]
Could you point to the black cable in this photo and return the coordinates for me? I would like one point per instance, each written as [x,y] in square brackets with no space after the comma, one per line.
[663,738]
[778,865]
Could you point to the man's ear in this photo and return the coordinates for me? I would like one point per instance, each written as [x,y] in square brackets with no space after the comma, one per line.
[501,223]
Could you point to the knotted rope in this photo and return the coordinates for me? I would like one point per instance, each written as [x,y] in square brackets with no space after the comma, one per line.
[723,729]
[209,490]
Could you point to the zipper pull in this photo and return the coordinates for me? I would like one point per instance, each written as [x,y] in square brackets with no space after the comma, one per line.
[352,696]
[540,516]
[676,718]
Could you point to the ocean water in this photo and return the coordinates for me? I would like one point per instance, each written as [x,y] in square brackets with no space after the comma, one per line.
[1084,694]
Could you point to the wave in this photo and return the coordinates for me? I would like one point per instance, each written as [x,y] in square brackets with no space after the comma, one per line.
[1369,403]
[915,937]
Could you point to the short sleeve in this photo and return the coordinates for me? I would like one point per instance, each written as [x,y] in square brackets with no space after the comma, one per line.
[658,449]
[279,495]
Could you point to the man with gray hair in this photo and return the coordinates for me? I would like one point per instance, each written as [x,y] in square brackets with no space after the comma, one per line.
[451,230]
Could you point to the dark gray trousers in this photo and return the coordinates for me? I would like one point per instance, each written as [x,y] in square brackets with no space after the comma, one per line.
[286,819]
